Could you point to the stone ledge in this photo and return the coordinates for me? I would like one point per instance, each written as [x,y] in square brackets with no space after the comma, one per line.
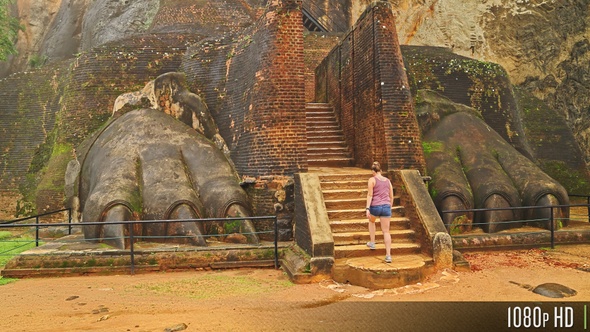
[515,239]
[303,269]
[84,258]
[372,272]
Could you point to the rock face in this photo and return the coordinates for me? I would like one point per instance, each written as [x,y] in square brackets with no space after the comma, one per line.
[35,16]
[110,20]
[62,39]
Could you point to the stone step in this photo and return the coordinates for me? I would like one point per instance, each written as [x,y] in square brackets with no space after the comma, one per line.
[328,149]
[321,108]
[372,272]
[345,203]
[343,183]
[356,176]
[327,156]
[330,162]
[359,250]
[349,214]
[315,123]
[350,203]
[361,224]
[326,140]
[350,238]
[319,116]
[318,105]
[323,132]
[340,149]
[334,194]
[322,126]
[319,112]
[327,143]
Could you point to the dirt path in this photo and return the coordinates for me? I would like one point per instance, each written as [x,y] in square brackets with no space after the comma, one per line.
[265,300]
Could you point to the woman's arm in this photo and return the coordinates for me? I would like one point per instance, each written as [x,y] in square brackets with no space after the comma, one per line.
[391,193]
[370,186]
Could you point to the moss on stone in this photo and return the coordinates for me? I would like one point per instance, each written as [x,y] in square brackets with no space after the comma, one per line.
[574,181]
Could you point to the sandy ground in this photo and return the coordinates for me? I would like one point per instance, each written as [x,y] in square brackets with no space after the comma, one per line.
[265,300]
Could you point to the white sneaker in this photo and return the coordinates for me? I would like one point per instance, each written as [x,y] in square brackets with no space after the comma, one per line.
[387,259]
[371,245]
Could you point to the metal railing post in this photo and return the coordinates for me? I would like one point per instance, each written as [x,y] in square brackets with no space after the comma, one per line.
[552,227]
[131,249]
[70,221]
[276,243]
[36,231]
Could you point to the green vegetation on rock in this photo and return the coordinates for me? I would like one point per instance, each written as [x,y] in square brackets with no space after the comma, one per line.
[430,147]
[574,181]
[553,143]
[37,61]
[9,28]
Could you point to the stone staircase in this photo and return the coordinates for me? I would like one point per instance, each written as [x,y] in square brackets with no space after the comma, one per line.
[344,189]
[345,194]
[326,145]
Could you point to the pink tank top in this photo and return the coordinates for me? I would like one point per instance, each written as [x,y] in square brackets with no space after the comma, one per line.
[381,192]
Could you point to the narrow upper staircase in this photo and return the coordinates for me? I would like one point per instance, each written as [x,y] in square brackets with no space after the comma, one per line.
[345,194]
[326,145]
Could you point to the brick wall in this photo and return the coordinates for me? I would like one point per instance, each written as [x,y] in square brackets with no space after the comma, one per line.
[8,204]
[254,86]
[99,76]
[273,195]
[372,97]
[30,101]
[208,18]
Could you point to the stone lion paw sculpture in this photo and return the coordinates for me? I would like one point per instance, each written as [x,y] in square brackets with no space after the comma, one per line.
[161,162]
[473,167]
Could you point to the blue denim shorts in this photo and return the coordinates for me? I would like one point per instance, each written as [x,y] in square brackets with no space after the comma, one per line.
[380,210]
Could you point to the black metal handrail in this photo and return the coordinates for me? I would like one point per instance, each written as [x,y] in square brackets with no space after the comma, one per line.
[132,236]
[326,21]
[551,219]
[12,223]
[38,216]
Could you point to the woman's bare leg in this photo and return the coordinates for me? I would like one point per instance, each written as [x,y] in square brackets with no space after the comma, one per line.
[385,221]
[372,228]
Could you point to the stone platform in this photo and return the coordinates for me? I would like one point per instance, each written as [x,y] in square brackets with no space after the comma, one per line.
[372,271]
[72,255]
[576,232]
